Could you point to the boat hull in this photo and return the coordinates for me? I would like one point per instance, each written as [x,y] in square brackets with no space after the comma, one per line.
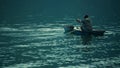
[94,32]
[78,31]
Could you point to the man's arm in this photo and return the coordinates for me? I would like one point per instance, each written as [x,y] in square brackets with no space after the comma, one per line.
[78,20]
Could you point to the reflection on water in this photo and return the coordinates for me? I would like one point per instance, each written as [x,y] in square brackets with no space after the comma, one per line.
[44,46]
[86,39]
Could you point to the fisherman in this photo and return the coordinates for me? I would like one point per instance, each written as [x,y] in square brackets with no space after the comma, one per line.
[86,24]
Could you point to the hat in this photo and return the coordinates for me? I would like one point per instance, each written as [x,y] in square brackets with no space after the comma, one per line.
[86,16]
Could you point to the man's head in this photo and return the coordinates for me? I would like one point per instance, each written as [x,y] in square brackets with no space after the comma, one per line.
[86,16]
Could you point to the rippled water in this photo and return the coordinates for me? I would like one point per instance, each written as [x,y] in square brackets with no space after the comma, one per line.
[46,46]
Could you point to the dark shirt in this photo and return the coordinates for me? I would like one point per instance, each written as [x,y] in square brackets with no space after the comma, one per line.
[86,25]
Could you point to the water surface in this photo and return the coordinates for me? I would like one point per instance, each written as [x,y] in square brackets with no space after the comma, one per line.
[45,45]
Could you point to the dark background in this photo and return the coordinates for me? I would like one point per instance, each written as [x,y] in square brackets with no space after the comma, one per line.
[100,9]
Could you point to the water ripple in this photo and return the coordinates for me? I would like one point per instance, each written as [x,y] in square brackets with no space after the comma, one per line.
[30,46]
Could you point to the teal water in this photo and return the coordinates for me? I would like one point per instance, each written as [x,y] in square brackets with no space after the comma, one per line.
[46,46]
[32,34]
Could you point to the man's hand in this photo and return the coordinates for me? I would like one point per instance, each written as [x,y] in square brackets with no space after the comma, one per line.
[78,20]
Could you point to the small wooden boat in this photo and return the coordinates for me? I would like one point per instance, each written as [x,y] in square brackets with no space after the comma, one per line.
[77,31]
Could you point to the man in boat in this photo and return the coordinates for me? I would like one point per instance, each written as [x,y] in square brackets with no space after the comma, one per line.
[86,24]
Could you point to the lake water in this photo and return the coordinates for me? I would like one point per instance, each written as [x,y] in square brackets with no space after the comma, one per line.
[44,45]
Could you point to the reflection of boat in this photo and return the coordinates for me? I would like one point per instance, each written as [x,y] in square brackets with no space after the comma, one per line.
[77,31]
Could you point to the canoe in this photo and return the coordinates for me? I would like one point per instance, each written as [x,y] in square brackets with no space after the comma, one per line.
[77,31]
